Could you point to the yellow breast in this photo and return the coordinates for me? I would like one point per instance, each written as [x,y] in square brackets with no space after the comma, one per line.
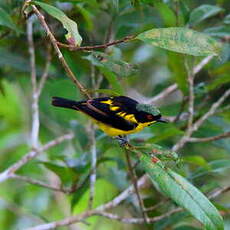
[110,131]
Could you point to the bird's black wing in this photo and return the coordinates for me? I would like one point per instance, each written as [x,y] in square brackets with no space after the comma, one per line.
[100,110]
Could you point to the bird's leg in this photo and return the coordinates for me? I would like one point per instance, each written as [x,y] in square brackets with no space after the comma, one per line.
[123,140]
[134,178]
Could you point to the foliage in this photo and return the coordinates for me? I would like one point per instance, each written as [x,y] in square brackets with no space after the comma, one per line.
[157,44]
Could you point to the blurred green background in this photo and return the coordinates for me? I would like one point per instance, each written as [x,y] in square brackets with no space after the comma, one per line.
[143,71]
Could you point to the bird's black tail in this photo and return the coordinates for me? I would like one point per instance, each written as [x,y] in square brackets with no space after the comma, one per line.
[65,103]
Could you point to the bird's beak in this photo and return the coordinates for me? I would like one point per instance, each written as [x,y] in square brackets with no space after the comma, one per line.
[163,120]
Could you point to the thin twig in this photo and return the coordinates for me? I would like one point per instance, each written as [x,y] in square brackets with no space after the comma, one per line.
[103,46]
[172,88]
[4,34]
[35,109]
[206,139]
[6,174]
[138,220]
[193,127]
[123,195]
[69,72]
[201,65]
[156,205]
[221,110]
[46,70]
[191,94]
[65,222]
[218,192]
[39,183]
[93,174]
[200,121]
[134,181]
[211,111]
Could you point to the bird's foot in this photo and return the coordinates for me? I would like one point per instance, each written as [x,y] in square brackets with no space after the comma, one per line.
[123,140]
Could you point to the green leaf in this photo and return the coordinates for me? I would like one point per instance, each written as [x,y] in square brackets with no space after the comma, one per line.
[62,172]
[183,193]
[117,66]
[184,10]
[87,16]
[163,153]
[72,36]
[186,227]
[176,65]
[222,69]
[227,19]
[181,40]
[219,81]
[202,12]
[163,134]
[112,79]
[166,13]
[217,166]
[218,31]
[197,160]
[5,20]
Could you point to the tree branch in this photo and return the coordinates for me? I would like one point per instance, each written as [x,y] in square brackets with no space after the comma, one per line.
[172,88]
[69,72]
[45,72]
[101,212]
[32,154]
[103,46]
[201,65]
[39,183]
[211,111]
[200,121]
[134,181]
[206,139]
[191,94]
[93,174]
[138,220]
[35,109]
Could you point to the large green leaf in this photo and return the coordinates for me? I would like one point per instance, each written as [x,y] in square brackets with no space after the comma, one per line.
[202,12]
[183,193]
[117,66]
[5,20]
[72,36]
[218,31]
[181,40]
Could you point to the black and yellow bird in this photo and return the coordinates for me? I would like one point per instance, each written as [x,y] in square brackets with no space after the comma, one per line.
[116,116]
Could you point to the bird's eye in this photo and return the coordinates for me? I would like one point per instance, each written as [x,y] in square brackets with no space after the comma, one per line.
[149,117]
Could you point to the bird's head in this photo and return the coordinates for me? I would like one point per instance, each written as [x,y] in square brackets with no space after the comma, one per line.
[149,113]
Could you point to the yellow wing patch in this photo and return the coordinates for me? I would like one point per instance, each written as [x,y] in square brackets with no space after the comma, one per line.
[114,108]
[109,102]
[128,117]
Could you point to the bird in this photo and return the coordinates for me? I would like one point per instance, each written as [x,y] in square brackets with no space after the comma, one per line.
[115,115]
